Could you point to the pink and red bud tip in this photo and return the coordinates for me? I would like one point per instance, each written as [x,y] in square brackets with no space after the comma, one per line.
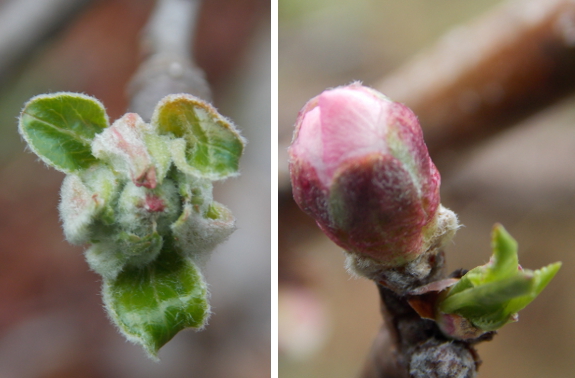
[123,145]
[360,167]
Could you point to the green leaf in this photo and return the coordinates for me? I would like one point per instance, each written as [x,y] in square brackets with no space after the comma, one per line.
[504,262]
[159,148]
[151,305]
[542,277]
[59,128]
[87,198]
[196,234]
[489,296]
[212,146]
[483,300]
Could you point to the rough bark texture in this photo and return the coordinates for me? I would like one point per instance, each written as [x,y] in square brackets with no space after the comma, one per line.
[408,346]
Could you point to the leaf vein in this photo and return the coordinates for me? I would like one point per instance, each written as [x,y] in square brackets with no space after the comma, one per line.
[71,134]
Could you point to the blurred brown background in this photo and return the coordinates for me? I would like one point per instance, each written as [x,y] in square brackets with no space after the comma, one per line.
[52,323]
[496,102]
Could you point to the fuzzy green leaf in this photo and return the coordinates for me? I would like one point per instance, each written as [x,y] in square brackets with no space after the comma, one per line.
[212,144]
[87,199]
[196,234]
[151,305]
[59,128]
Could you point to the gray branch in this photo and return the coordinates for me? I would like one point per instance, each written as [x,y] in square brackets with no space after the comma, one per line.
[25,23]
[169,66]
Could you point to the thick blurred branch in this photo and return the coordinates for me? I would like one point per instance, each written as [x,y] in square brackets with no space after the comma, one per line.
[25,23]
[485,76]
[169,66]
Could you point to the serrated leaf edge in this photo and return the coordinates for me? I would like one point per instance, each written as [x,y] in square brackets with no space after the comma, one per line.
[212,111]
[106,293]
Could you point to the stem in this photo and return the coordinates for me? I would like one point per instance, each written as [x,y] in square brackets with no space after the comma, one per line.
[169,67]
[409,346]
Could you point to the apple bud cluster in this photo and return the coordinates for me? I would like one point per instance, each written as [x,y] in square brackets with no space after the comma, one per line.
[140,196]
[126,204]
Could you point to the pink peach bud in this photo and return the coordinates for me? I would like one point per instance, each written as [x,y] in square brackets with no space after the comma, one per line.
[360,167]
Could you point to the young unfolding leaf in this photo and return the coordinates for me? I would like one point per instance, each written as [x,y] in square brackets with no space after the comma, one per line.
[490,296]
[212,145]
[88,198]
[197,234]
[150,305]
[60,127]
[541,277]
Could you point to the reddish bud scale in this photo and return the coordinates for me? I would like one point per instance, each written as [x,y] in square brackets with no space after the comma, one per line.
[154,203]
[375,208]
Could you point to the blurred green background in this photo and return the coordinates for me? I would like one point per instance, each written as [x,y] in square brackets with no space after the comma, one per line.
[523,177]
